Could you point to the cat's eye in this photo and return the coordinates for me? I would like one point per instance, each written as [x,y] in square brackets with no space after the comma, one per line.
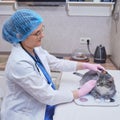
[98,84]
[110,82]
[101,84]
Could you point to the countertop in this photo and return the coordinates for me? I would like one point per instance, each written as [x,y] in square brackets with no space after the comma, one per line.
[107,65]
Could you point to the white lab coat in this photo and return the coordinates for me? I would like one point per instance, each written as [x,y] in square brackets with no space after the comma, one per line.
[28,89]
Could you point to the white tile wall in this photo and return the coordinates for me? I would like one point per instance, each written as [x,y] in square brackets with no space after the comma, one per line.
[115,37]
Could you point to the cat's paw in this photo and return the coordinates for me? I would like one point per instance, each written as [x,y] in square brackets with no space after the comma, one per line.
[107,100]
[97,100]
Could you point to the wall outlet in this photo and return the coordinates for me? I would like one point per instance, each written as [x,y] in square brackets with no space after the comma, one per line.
[116,16]
[83,40]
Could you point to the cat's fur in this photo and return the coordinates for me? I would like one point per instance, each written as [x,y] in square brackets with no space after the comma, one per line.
[105,87]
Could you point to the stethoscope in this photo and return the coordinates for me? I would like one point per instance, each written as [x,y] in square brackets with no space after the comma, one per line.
[40,66]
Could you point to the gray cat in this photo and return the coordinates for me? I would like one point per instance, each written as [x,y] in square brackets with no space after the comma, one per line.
[105,87]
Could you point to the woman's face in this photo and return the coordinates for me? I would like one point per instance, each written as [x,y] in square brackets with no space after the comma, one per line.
[34,40]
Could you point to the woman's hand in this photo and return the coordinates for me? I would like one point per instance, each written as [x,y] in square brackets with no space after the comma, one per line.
[95,67]
[85,89]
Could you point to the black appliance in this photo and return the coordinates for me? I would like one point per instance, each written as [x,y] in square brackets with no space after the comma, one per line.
[100,54]
[42,2]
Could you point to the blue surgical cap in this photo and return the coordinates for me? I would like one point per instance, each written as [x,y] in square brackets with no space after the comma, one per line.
[20,25]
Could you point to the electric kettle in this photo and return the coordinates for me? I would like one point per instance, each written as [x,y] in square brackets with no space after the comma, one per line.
[100,54]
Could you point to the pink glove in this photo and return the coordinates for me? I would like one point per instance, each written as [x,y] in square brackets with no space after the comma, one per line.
[86,88]
[95,67]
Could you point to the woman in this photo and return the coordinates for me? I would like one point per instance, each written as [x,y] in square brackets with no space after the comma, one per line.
[32,94]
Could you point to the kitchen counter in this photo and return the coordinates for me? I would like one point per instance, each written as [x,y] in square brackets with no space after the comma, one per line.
[72,111]
[108,65]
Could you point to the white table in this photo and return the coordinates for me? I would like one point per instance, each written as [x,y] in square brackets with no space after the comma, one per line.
[71,111]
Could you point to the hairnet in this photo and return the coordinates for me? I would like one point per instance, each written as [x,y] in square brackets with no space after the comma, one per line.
[20,25]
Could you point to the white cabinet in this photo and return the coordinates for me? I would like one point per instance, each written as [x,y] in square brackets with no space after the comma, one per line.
[7,7]
[3,88]
[96,8]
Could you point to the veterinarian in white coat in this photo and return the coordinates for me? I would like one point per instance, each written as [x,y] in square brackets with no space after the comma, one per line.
[32,94]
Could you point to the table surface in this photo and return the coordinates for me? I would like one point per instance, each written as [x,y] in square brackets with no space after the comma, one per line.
[108,64]
[72,111]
